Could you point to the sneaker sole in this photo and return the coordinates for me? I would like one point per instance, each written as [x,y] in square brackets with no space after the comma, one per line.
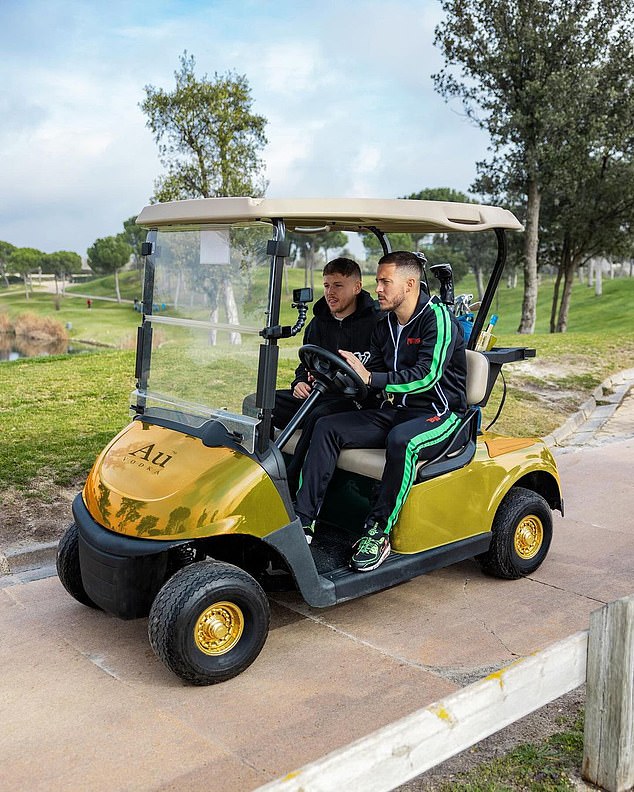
[309,539]
[378,563]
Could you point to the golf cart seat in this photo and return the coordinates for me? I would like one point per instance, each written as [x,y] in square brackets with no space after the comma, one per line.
[370,462]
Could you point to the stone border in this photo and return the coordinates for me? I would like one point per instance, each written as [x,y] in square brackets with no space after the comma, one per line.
[594,412]
[23,559]
[590,417]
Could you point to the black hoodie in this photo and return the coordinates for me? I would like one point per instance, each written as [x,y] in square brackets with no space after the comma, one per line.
[352,333]
[423,363]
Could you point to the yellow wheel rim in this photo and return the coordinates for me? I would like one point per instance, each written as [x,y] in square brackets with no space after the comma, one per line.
[529,536]
[219,628]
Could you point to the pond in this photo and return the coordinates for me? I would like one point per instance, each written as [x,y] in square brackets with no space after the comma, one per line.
[14,347]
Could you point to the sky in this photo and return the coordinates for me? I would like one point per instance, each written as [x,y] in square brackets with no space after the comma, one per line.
[346,87]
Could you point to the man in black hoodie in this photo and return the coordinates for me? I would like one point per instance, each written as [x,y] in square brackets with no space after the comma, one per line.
[417,359]
[344,318]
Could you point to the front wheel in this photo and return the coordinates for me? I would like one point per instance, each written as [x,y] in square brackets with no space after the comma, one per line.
[209,622]
[522,531]
[68,567]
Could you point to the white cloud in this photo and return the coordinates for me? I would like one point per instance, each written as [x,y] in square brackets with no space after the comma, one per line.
[346,89]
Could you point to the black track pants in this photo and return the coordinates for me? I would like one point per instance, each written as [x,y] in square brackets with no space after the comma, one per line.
[408,435]
[286,406]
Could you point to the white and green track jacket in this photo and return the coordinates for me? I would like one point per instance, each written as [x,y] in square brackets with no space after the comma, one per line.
[422,363]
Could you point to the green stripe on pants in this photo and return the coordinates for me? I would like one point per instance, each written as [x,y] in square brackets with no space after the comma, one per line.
[414,447]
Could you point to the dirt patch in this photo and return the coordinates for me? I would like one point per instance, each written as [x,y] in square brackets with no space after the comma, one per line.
[40,515]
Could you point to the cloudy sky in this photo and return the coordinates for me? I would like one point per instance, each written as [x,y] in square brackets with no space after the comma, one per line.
[346,88]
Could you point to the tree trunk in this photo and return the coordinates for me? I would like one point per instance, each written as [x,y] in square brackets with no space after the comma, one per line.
[569,279]
[231,308]
[555,303]
[598,280]
[213,333]
[477,271]
[116,285]
[56,285]
[177,292]
[531,240]
[26,285]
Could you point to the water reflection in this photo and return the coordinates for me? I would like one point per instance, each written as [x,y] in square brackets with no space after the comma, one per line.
[14,347]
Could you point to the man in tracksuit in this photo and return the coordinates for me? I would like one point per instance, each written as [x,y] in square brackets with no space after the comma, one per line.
[344,318]
[417,359]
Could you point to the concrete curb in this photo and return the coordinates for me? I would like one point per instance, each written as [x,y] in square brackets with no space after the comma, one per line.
[23,559]
[593,414]
[595,411]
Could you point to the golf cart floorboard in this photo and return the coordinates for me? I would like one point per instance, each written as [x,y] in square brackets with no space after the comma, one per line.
[397,568]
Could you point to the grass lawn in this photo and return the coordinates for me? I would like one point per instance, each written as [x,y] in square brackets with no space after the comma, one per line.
[548,766]
[106,322]
[57,413]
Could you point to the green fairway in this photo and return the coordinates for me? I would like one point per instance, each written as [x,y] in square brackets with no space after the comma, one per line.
[109,323]
[57,413]
[588,313]
[130,286]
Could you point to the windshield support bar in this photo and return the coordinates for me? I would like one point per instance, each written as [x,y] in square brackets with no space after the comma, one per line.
[269,351]
[485,305]
[144,333]
[383,240]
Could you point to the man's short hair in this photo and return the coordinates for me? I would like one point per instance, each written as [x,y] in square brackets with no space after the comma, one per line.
[406,263]
[343,266]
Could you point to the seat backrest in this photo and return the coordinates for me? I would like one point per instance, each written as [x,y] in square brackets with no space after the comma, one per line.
[477,377]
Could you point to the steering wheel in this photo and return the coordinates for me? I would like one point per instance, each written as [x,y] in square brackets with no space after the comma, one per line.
[332,371]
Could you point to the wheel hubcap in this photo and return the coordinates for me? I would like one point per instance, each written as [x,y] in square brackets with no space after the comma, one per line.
[529,536]
[219,628]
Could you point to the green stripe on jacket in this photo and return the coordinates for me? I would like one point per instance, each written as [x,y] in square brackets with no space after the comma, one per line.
[443,340]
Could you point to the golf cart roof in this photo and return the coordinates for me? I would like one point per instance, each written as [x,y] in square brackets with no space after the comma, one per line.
[347,214]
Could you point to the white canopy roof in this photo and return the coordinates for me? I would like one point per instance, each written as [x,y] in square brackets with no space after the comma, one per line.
[348,214]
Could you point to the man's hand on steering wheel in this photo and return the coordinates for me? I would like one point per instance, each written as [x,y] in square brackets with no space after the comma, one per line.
[353,361]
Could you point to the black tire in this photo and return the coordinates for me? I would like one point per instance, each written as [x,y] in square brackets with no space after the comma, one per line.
[68,568]
[522,532]
[193,610]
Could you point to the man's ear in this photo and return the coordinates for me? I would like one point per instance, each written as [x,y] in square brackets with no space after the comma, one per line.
[411,283]
[357,287]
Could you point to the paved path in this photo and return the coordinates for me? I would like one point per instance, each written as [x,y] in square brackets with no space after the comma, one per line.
[85,705]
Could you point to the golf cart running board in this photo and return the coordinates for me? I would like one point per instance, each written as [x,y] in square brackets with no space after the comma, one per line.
[398,567]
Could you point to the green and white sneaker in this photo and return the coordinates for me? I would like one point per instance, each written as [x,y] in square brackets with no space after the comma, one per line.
[309,531]
[371,550]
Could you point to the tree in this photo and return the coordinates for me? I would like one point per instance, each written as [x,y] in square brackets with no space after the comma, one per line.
[6,249]
[108,255]
[135,236]
[209,142]
[61,264]
[595,220]
[308,245]
[208,138]
[528,75]
[24,261]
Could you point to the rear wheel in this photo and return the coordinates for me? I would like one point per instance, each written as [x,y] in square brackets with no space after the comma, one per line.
[209,622]
[68,568]
[522,532]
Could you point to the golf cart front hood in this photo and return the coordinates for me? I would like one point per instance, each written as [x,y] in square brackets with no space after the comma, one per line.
[158,483]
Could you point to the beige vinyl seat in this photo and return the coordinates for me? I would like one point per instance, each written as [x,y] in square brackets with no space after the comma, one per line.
[371,461]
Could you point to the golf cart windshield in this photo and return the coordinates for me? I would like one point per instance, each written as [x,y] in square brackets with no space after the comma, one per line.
[205,302]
